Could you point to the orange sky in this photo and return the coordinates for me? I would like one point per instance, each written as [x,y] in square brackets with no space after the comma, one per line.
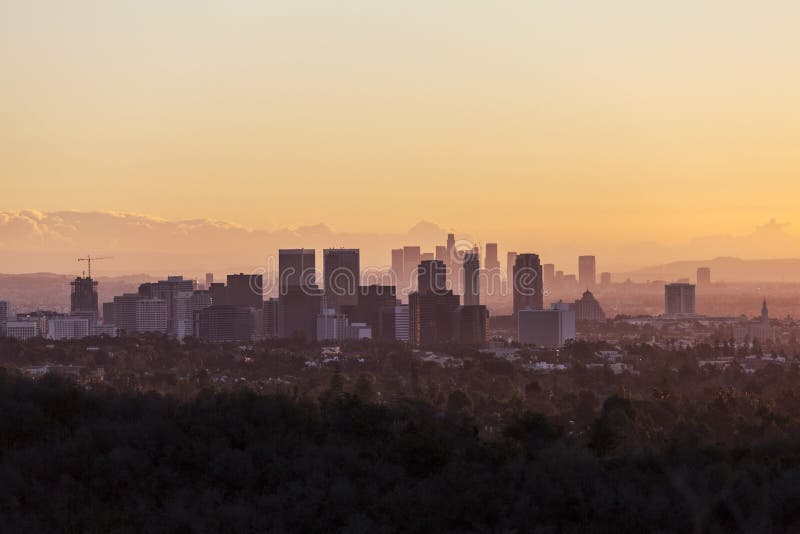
[602,122]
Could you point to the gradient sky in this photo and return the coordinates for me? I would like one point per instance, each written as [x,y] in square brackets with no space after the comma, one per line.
[602,121]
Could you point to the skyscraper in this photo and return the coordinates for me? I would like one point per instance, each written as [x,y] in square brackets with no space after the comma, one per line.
[441,254]
[341,272]
[3,316]
[245,290]
[511,259]
[83,299]
[703,276]
[471,279]
[209,279]
[431,277]
[587,272]
[411,258]
[527,283]
[605,279]
[398,267]
[679,299]
[546,328]
[548,275]
[296,267]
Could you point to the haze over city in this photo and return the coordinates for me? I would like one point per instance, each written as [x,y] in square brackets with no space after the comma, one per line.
[358,266]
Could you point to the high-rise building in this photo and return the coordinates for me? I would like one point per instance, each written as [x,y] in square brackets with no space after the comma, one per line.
[271,313]
[471,279]
[372,301]
[401,323]
[430,317]
[491,260]
[441,254]
[83,298]
[588,309]
[298,311]
[679,299]
[451,248]
[471,325]
[431,277]
[587,272]
[331,326]
[341,272]
[68,328]
[527,283]
[605,279]
[125,312]
[23,330]
[398,267]
[225,323]
[548,275]
[511,259]
[209,279]
[296,267]
[151,315]
[245,290]
[411,258]
[218,294]
[703,276]
[169,290]
[3,316]
[546,328]
[426,256]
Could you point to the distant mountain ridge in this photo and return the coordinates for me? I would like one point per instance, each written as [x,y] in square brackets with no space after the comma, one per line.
[723,269]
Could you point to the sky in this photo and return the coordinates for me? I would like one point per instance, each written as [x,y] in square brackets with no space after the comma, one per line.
[600,124]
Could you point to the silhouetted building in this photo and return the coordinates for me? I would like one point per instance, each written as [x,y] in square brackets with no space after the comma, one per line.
[331,326]
[679,299]
[441,254]
[411,258]
[548,275]
[527,283]
[3,316]
[398,267]
[342,271]
[588,309]
[218,294]
[296,267]
[209,279]
[125,312]
[226,323]
[245,290]
[471,279]
[511,259]
[151,315]
[703,276]
[298,311]
[605,279]
[176,293]
[83,298]
[402,328]
[546,328]
[587,272]
[431,277]
[372,301]
[271,312]
[471,325]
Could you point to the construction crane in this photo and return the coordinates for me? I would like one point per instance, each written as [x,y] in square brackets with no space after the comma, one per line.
[89,259]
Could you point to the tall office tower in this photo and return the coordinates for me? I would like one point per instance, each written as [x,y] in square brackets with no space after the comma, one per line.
[411,258]
[470,325]
[528,286]
[491,260]
[83,300]
[430,317]
[451,249]
[605,279]
[271,312]
[679,299]
[245,290]
[431,277]
[168,290]
[511,259]
[151,315]
[372,301]
[427,256]
[3,316]
[401,325]
[546,328]
[548,275]
[108,313]
[125,312]
[398,266]
[232,324]
[218,294]
[209,279]
[472,271]
[441,254]
[703,276]
[331,326]
[296,267]
[492,280]
[342,275]
[587,272]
